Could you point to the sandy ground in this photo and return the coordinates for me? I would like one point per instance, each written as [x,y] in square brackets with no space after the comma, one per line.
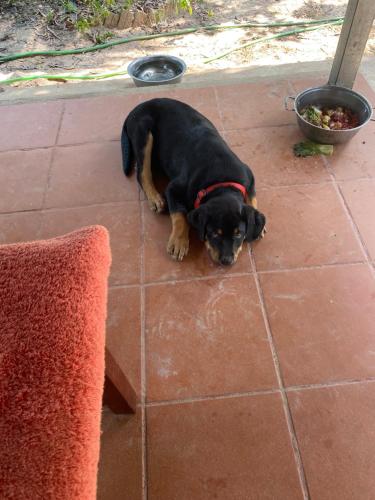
[28,32]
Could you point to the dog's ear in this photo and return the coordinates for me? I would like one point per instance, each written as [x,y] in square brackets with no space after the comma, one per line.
[198,218]
[255,222]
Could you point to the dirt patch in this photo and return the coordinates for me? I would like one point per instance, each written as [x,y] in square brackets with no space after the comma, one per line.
[24,27]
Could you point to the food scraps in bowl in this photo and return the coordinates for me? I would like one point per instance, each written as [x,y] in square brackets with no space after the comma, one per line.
[338,118]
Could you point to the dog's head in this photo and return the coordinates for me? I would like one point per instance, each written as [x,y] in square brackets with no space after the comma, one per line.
[224,223]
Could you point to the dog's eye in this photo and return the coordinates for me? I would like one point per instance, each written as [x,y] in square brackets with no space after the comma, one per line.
[237,233]
[215,235]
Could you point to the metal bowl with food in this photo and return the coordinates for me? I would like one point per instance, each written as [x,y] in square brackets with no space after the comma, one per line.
[322,110]
[156,70]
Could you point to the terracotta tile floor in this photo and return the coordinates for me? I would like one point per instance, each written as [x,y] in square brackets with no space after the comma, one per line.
[256,382]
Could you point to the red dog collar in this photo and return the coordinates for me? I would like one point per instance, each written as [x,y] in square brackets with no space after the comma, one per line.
[204,192]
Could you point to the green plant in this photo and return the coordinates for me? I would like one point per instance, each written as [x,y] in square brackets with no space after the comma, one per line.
[69,7]
[94,12]
[82,25]
[99,38]
[185,5]
[50,17]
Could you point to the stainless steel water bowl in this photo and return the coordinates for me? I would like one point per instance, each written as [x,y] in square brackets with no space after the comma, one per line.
[330,96]
[156,70]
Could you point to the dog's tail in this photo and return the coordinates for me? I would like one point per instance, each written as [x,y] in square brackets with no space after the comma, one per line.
[127,152]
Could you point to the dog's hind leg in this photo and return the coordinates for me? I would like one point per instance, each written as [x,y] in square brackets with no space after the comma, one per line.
[154,198]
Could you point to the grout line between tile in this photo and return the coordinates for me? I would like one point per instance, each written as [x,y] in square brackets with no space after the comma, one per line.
[291,86]
[126,286]
[222,131]
[260,392]
[238,275]
[350,217]
[198,278]
[58,209]
[287,411]
[48,180]
[197,399]
[53,152]
[143,358]
[72,144]
[138,200]
[294,186]
[68,145]
[60,123]
[327,385]
[309,268]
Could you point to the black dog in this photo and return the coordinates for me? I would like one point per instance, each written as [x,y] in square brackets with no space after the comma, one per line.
[209,186]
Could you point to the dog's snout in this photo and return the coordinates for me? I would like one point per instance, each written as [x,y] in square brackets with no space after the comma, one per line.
[227,260]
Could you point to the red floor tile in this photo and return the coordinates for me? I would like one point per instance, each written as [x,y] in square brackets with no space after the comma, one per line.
[360,197]
[269,153]
[322,323]
[123,335]
[19,227]
[226,449]
[336,434]
[89,174]
[159,266]
[254,105]
[202,99]
[23,179]
[300,84]
[95,119]
[122,221]
[29,125]
[360,84]
[355,158]
[120,466]
[206,338]
[306,226]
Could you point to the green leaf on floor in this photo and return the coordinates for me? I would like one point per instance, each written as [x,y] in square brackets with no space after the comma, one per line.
[309,148]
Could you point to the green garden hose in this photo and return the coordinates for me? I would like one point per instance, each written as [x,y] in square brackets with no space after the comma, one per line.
[62,78]
[335,21]
[215,27]
[272,37]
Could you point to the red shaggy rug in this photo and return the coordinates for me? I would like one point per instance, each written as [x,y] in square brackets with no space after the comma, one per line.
[52,327]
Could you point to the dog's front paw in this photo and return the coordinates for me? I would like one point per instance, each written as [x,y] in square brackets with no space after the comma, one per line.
[178,247]
[157,203]
[263,233]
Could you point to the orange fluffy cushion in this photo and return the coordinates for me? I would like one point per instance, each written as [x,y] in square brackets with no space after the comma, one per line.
[52,327]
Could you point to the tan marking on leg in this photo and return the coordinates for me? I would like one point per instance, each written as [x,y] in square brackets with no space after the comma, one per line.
[237,253]
[155,200]
[214,254]
[263,233]
[253,202]
[178,243]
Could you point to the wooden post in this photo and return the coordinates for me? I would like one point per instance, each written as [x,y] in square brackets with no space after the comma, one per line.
[353,38]
[119,395]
